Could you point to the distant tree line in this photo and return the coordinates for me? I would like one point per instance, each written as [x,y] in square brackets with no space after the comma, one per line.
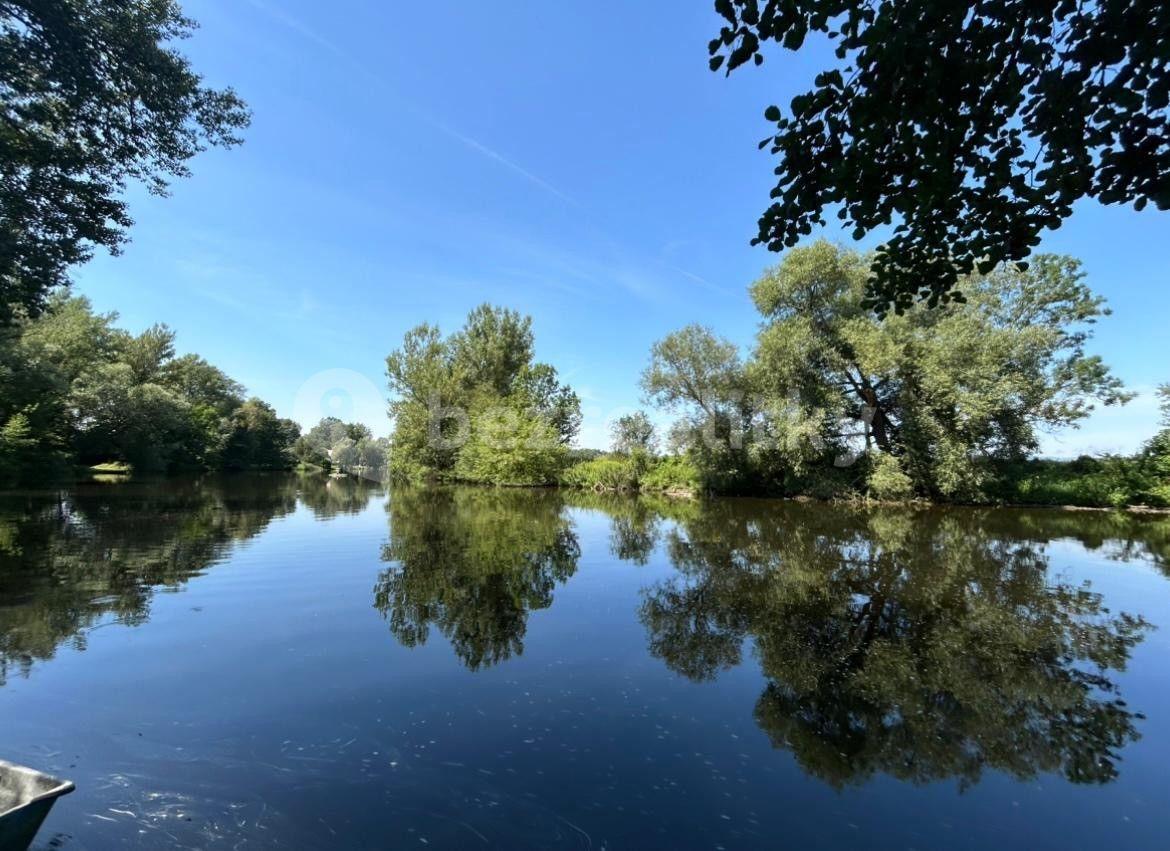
[79,390]
[345,446]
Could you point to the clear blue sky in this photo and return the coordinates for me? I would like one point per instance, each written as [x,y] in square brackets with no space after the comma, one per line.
[576,161]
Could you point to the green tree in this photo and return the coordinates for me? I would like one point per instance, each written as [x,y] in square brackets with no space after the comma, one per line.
[373,453]
[257,439]
[945,390]
[345,454]
[633,433]
[96,95]
[119,417]
[971,127]
[492,348]
[704,379]
[201,383]
[451,393]
[326,434]
[148,353]
[510,446]
[18,446]
[539,390]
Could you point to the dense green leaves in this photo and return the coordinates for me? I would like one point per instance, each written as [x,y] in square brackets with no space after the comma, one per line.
[83,390]
[969,127]
[835,400]
[943,390]
[475,406]
[94,95]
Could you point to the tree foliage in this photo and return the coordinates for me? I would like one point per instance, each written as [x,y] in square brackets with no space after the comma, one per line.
[633,433]
[476,406]
[835,400]
[944,389]
[970,127]
[84,390]
[95,95]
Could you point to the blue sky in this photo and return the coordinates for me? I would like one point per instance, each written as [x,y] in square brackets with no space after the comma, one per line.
[575,161]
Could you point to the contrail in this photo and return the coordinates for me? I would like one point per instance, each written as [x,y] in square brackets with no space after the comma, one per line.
[474,144]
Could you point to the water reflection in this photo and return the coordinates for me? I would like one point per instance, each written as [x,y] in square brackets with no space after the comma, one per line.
[330,496]
[473,563]
[97,553]
[922,645]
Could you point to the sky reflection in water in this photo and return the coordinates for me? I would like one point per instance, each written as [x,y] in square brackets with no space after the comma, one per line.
[272,661]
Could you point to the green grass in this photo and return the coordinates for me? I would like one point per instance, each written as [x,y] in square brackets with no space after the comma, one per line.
[632,473]
[1108,481]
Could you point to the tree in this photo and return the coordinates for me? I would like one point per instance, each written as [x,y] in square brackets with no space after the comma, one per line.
[147,353]
[18,446]
[539,389]
[357,432]
[201,383]
[345,453]
[633,432]
[451,394]
[510,446]
[372,453]
[971,127]
[91,392]
[492,348]
[703,377]
[259,440]
[95,96]
[326,434]
[118,416]
[943,390]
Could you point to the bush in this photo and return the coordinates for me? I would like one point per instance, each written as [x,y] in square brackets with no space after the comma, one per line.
[613,473]
[1109,481]
[672,474]
[511,448]
[887,480]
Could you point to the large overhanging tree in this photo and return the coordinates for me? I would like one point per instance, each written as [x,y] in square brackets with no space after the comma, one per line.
[969,127]
[93,96]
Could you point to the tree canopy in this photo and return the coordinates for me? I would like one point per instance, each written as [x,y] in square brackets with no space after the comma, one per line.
[79,389]
[927,401]
[95,95]
[476,406]
[968,127]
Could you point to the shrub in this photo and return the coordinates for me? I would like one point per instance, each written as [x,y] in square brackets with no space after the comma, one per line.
[673,474]
[606,473]
[511,448]
[887,480]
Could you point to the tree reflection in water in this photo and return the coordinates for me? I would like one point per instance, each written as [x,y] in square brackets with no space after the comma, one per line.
[473,563]
[98,553]
[919,644]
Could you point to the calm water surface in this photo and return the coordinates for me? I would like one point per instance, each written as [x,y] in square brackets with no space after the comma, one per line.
[282,662]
